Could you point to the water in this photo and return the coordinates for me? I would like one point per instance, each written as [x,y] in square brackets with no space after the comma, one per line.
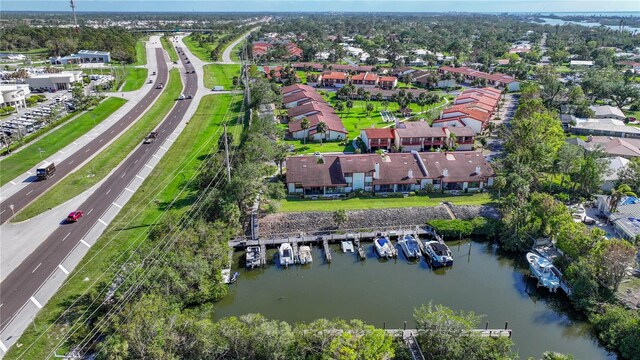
[550,21]
[483,280]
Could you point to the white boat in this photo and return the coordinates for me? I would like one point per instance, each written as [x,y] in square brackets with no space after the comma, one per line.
[410,247]
[383,247]
[286,254]
[252,257]
[229,278]
[438,253]
[547,274]
[347,246]
[304,255]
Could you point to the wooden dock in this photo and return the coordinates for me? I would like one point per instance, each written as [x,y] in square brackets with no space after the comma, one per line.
[263,255]
[296,252]
[327,250]
[493,333]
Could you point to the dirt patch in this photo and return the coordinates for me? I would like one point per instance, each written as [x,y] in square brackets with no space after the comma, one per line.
[322,222]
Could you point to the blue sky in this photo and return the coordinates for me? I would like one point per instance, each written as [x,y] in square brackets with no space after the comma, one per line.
[331,5]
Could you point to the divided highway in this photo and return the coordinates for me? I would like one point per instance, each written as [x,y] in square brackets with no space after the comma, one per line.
[32,191]
[20,286]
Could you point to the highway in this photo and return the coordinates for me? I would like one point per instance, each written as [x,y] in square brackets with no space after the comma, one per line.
[19,287]
[35,189]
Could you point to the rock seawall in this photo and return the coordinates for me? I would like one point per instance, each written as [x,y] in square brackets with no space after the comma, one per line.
[322,222]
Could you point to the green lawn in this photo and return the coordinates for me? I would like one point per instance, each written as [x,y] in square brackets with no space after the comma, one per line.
[98,168]
[135,78]
[235,51]
[28,157]
[203,53]
[169,48]
[132,224]
[141,53]
[357,203]
[220,75]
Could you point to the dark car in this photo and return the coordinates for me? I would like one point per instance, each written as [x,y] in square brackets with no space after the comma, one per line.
[189,96]
[75,216]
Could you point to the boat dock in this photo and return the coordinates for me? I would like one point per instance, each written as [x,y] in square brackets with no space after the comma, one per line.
[296,253]
[327,250]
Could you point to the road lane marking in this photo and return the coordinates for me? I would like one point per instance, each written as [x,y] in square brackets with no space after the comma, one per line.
[100,141]
[89,211]
[34,270]
[63,269]
[65,238]
[2,211]
[87,150]
[71,162]
[108,192]
[103,222]
[33,300]
[85,243]
[129,189]
[116,205]
[146,150]
[29,192]
[135,162]
[123,175]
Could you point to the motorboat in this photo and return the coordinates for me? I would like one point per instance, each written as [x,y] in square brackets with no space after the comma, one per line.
[410,247]
[285,251]
[252,257]
[542,269]
[438,253]
[229,278]
[383,247]
[304,255]
[347,246]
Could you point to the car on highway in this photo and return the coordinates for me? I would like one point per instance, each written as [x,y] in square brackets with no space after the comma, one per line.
[181,97]
[75,216]
[150,81]
[151,137]
[160,86]
[153,73]
[189,96]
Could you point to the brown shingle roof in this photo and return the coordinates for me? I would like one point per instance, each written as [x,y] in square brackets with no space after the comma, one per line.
[418,129]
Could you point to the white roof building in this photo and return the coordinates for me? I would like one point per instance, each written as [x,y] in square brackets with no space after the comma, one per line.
[587,63]
[56,81]
[605,127]
[615,165]
[607,112]
[13,95]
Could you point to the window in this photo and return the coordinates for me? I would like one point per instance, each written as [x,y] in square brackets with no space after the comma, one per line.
[436,181]
[298,185]
[369,173]
[474,184]
[368,183]
[348,174]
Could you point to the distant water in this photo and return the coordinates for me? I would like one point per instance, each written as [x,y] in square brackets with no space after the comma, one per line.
[549,21]
[483,279]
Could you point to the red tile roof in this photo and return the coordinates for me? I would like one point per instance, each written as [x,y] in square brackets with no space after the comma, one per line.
[418,129]
[334,75]
[386,133]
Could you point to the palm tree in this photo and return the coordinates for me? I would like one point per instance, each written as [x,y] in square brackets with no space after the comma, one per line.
[349,106]
[369,109]
[339,105]
[304,125]
[617,195]
[360,92]
[322,129]
[452,140]
[422,102]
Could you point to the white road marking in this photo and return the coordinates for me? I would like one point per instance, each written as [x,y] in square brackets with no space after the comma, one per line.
[135,162]
[87,150]
[108,192]
[123,175]
[139,177]
[156,156]
[65,238]
[71,162]
[111,132]
[13,183]
[33,300]
[29,192]
[146,150]
[85,243]
[3,347]
[116,205]
[103,222]
[89,211]
[2,211]
[63,269]
[29,172]
[163,148]
[129,189]
[100,141]
[149,166]
[34,270]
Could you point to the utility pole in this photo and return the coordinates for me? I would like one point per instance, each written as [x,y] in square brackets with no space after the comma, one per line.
[226,153]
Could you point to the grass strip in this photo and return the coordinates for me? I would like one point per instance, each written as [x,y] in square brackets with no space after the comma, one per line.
[135,78]
[203,53]
[220,75]
[98,168]
[18,163]
[132,224]
[141,53]
[166,44]
[364,203]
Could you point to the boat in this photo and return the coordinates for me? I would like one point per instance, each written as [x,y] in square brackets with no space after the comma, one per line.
[304,255]
[347,246]
[383,247]
[542,269]
[286,254]
[410,247]
[229,278]
[438,253]
[252,257]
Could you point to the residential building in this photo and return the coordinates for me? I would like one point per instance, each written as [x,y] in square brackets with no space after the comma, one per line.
[296,95]
[365,80]
[303,66]
[335,128]
[634,65]
[260,48]
[83,56]
[387,82]
[615,164]
[605,127]
[581,63]
[498,80]
[334,79]
[473,108]
[378,139]
[336,175]
[303,102]
[274,72]
[626,219]
[627,148]
[410,136]
[54,81]
[14,95]
[308,109]
[607,112]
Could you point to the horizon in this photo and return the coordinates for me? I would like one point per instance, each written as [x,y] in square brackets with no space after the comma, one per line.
[626,7]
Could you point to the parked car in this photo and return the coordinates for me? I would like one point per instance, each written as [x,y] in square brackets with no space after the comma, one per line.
[75,216]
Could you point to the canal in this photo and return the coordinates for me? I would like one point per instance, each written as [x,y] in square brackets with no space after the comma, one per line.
[483,279]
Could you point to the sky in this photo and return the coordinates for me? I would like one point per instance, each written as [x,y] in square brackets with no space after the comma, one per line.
[543,6]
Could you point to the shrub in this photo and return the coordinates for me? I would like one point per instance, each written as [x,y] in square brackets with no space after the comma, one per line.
[464,228]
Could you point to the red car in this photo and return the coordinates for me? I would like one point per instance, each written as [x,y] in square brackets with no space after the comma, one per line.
[75,216]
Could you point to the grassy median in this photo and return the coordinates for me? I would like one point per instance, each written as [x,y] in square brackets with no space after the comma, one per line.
[135,78]
[362,203]
[168,47]
[220,75]
[132,224]
[30,156]
[141,52]
[98,168]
